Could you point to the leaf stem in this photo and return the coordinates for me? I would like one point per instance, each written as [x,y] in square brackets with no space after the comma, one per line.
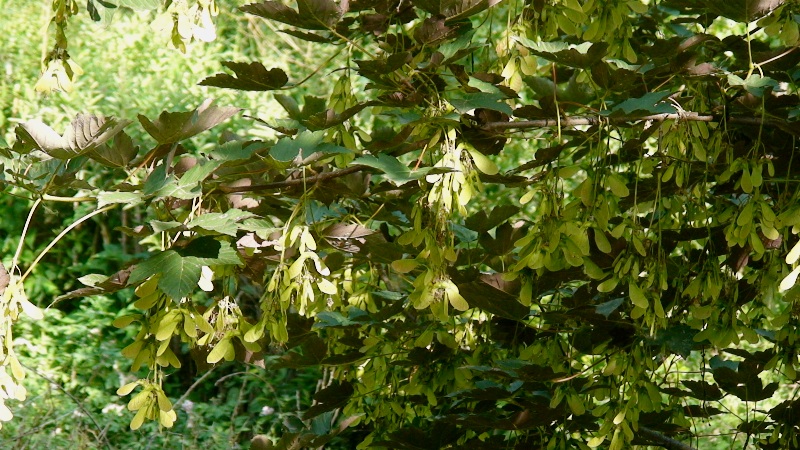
[24,233]
[55,198]
[55,240]
[594,120]
[294,182]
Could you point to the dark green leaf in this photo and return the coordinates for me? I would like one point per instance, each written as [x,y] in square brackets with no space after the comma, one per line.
[649,104]
[480,222]
[703,390]
[464,102]
[117,153]
[334,396]
[488,295]
[311,14]
[248,77]
[678,339]
[581,56]
[172,127]
[609,307]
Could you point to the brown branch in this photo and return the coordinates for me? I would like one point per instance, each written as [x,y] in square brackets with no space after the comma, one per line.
[595,120]
[275,185]
[663,441]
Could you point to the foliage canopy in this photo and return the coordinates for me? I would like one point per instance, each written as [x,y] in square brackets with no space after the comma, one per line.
[554,224]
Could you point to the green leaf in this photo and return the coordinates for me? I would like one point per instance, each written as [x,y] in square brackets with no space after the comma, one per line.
[116,153]
[180,269]
[464,102]
[179,276]
[210,251]
[609,307]
[678,339]
[333,319]
[483,163]
[637,295]
[304,145]
[199,172]
[129,198]
[754,84]
[334,396]
[581,56]
[395,171]
[223,223]
[159,226]
[235,151]
[648,104]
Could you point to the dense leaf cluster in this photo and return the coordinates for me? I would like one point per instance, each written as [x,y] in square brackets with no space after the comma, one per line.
[557,224]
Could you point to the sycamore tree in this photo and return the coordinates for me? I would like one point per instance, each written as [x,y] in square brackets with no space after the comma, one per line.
[546,224]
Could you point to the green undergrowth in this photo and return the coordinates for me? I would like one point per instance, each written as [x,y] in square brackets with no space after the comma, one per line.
[118,82]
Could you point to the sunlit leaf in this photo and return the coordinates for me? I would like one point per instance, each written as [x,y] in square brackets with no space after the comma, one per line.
[128,388]
[395,171]
[483,163]
[219,351]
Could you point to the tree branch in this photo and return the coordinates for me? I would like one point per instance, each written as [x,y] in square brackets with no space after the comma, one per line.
[294,182]
[663,441]
[528,124]
[595,120]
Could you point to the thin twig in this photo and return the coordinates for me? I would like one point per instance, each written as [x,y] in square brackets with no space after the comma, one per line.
[595,120]
[178,403]
[663,441]
[295,182]
[55,198]
[61,235]
[15,259]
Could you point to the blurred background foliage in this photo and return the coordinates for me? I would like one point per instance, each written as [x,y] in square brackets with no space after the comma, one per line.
[127,64]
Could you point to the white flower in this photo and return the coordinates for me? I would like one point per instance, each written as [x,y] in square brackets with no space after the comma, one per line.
[187,406]
[113,408]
